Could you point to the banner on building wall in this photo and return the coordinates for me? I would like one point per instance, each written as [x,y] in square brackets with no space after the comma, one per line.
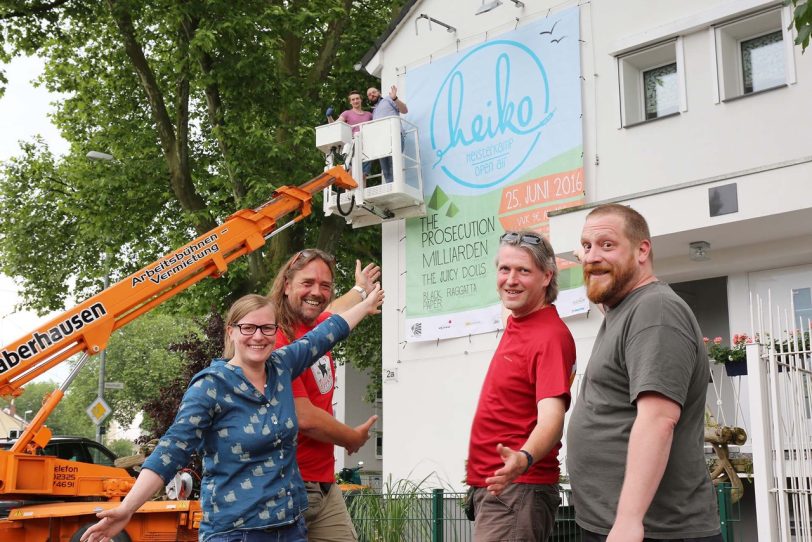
[501,146]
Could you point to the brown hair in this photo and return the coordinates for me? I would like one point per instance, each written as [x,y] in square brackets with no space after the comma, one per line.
[635,226]
[353,92]
[542,255]
[241,307]
[285,317]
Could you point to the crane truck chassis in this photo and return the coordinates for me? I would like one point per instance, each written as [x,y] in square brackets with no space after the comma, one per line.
[62,497]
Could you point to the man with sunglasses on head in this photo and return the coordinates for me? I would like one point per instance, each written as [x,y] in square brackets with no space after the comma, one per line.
[303,296]
[516,432]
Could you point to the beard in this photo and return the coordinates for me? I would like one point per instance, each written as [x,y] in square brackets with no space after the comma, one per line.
[306,313]
[608,292]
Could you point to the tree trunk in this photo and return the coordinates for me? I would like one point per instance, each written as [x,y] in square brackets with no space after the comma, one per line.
[332,228]
[180,178]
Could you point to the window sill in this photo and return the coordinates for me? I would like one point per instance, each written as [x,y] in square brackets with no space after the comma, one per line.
[655,119]
[762,91]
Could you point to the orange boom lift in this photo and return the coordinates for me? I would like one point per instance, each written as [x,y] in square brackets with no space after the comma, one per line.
[68,493]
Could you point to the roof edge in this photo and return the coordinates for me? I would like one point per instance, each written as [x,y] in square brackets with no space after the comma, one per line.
[404,11]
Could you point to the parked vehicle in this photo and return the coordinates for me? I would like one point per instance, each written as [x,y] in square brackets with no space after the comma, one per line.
[74,448]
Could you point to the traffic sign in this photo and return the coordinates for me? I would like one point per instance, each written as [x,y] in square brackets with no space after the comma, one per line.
[98,410]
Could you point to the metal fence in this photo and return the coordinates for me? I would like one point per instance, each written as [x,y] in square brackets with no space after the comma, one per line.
[438,516]
[780,380]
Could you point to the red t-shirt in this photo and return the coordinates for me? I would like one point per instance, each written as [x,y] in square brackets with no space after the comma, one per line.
[315,458]
[534,360]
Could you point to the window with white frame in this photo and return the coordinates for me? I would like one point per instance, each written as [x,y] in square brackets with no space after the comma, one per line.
[802,303]
[660,95]
[651,83]
[753,54]
[763,62]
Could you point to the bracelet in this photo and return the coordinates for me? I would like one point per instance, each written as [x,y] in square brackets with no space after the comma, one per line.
[529,460]
[395,99]
[361,292]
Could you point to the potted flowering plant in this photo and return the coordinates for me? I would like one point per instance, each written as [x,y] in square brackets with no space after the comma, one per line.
[733,357]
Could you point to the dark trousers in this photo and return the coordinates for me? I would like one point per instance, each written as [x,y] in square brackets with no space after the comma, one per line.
[295,532]
[588,536]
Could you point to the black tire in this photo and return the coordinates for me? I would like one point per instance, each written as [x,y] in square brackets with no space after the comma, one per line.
[120,537]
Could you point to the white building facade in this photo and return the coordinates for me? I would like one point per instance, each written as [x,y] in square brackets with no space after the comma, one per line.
[693,113]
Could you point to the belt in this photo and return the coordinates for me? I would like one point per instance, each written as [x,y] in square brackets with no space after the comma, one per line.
[324,486]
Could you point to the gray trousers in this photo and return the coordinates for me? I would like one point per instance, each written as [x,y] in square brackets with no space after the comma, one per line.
[522,512]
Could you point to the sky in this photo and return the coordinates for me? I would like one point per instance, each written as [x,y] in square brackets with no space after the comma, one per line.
[24,109]
[24,113]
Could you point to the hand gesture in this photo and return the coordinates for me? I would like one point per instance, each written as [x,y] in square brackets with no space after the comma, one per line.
[393,92]
[112,522]
[372,304]
[362,435]
[515,465]
[368,276]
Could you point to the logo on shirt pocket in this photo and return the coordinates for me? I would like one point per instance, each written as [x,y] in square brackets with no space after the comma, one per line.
[323,374]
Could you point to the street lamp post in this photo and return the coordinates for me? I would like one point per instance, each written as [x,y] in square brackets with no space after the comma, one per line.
[104,157]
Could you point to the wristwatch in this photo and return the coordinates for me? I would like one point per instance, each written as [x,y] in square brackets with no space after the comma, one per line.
[361,292]
[529,460]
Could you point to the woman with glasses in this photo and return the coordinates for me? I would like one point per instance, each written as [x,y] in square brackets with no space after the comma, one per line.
[239,414]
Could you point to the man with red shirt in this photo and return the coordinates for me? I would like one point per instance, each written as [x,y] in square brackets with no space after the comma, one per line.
[519,421]
[301,292]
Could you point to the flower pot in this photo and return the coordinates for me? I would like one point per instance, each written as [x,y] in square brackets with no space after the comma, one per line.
[736,368]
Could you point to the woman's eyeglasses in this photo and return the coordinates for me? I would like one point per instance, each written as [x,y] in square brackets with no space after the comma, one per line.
[269,330]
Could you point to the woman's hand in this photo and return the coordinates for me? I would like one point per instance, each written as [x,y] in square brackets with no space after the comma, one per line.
[374,300]
[111,523]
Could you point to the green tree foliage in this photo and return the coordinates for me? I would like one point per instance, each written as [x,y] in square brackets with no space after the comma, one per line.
[69,417]
[802,20]
[198,349]
[207,105]
[139,356]
[121,447]
[31,399]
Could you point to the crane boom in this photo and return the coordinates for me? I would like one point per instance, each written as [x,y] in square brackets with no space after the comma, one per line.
[87,327]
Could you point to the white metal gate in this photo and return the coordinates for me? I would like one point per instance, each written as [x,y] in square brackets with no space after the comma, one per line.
[779,367]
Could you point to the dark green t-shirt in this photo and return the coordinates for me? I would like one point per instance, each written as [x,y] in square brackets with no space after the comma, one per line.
[650,342]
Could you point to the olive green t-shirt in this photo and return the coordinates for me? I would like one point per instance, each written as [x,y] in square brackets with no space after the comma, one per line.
[650,342]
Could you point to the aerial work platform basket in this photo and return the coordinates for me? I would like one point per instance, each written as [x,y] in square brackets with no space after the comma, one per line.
[375,200]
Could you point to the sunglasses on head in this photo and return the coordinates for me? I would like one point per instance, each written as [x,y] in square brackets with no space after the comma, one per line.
[307,254]
[514,237]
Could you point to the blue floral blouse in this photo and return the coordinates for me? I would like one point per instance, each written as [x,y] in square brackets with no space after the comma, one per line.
[247,438]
